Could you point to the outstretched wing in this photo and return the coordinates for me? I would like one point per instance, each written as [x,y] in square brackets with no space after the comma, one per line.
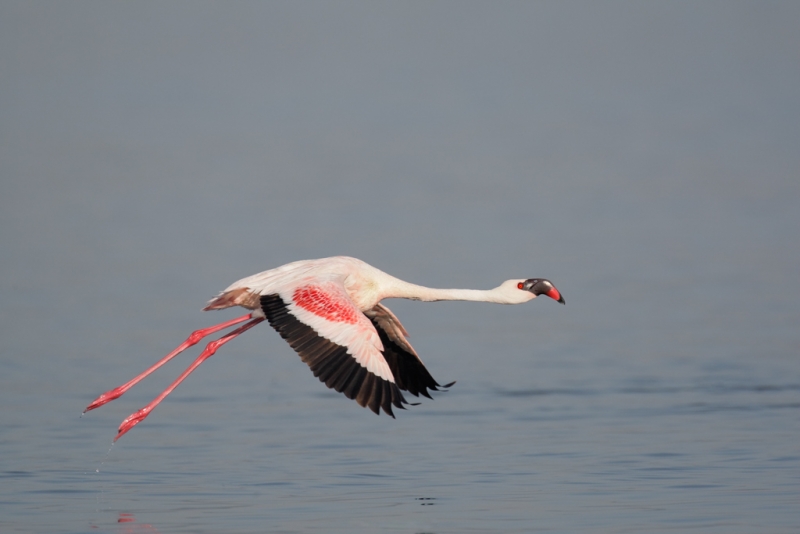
[337,341]
[408,370]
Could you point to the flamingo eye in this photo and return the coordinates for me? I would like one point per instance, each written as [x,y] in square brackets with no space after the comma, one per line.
[520,285]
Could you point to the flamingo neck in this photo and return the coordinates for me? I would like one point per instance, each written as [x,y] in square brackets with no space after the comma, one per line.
[429,294]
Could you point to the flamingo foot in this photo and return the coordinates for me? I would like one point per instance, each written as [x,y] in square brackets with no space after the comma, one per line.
[108,396]
[131,421]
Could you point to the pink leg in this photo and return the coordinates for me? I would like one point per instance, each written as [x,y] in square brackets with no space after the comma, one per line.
[139,415]
[196,336]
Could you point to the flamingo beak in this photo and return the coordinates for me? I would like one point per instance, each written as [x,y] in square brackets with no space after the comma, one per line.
[540,286]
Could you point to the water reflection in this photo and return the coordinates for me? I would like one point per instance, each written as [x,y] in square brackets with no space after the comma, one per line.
[132,527]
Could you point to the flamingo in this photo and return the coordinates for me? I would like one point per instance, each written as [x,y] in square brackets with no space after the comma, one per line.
[329,311]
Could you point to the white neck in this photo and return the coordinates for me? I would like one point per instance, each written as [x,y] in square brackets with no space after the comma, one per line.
[506,293]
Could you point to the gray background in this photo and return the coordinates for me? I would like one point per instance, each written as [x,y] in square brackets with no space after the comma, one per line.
[643,156]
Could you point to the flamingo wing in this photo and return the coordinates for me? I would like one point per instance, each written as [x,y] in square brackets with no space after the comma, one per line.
[336,340]
[407,368]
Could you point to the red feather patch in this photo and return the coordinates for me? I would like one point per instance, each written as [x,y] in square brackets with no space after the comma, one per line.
[326,305]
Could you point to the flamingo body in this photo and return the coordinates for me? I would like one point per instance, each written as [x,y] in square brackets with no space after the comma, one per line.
[329,311]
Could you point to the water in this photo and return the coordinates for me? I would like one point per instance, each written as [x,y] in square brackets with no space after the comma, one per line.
[643,158]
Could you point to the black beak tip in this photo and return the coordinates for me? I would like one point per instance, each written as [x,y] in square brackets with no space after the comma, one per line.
[561,299]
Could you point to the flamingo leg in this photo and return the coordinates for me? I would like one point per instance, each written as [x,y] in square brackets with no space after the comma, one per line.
[138,416]
[196,336]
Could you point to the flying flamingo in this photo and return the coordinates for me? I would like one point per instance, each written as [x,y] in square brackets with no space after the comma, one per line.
[329,311]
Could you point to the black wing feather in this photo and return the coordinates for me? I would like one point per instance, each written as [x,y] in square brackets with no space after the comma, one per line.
[331,362]
[409,372]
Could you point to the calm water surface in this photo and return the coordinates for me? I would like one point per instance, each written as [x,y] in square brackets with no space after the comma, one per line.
[644,158]
[530,439]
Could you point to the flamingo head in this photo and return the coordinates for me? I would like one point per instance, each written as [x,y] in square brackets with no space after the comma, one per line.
[540,286]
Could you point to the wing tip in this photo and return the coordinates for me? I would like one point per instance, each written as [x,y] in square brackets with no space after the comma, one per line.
[439,387]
